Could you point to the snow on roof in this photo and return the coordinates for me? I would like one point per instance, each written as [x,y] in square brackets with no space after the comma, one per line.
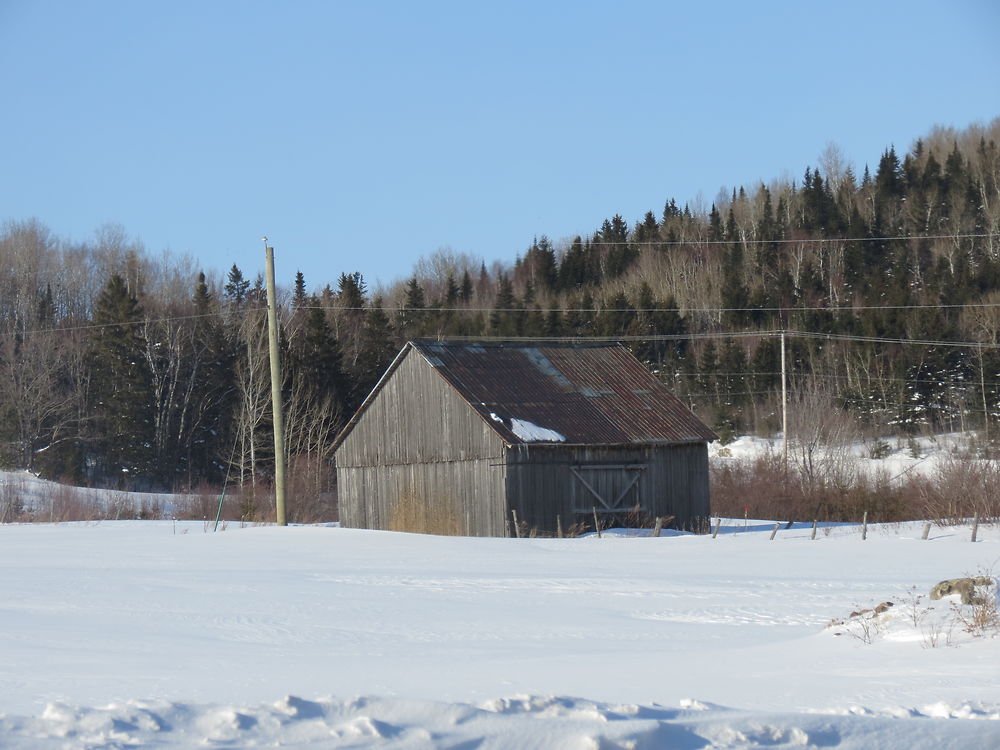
[532,433]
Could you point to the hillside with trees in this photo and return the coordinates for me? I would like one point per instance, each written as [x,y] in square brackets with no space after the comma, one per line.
[120,368]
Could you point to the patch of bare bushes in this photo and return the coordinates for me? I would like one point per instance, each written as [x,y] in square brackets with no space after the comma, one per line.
[962,488]
[253,502]
[769,491]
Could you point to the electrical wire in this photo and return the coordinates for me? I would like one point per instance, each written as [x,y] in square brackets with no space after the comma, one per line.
[804,241]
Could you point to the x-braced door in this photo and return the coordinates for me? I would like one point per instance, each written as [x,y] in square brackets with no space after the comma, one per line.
[609,488]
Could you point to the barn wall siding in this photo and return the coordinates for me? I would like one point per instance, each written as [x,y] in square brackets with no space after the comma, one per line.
[453,498]
[542,483]
[420,451]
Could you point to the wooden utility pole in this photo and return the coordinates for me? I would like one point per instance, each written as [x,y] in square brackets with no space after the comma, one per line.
[784,402]
[279,429]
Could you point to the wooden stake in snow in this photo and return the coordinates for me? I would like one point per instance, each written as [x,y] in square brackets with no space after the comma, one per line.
[658,526]
[775,530]
[864,526]
[597,524]
[975,526]
[815,524]
[559,531]
[718,525]
[517,526]
[927,530]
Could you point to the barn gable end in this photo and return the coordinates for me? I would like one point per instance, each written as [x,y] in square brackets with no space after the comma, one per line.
[418,458]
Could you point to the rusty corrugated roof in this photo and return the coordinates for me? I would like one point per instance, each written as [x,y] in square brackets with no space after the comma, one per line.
[585,394]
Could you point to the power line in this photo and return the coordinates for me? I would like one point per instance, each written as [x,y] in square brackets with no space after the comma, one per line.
[679,310]
[684,312]
[814,335]
[805,240]
[885,340]
[797,375]
[631,338]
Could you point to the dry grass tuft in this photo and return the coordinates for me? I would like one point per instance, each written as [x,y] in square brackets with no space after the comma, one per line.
[417,514]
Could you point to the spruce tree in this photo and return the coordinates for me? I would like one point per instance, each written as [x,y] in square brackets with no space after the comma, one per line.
[120,398]
[237,287]
[211,364]
[505,319]
[299,297]
[378,347]
[316,361]
[412,319]
[351,291]
[735,295]
[617,318]
[465,291]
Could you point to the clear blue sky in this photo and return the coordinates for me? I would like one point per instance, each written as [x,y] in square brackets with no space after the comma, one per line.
[364,135]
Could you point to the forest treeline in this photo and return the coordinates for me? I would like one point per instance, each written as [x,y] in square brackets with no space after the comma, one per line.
[121,368]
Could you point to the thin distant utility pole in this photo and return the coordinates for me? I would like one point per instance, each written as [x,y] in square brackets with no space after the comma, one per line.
[784,402]
[279,430]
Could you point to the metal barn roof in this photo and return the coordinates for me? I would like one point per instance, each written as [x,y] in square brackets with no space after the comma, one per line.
[564,393]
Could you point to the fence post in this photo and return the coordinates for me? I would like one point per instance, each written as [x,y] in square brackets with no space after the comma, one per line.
[658,527]
[597,524]
[815,524]
[517,526]
[775,530]
[559,531]
[975,526]
[927,530]
[864,526]
[718,524]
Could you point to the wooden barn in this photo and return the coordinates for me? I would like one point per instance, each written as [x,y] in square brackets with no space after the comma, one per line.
[456,435]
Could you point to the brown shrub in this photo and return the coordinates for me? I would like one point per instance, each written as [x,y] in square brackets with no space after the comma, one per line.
[763,486]
[962,487]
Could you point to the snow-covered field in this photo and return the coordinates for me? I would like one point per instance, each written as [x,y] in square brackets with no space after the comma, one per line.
[155,634]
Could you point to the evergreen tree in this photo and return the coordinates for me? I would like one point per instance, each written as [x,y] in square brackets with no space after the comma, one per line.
[655,318]
[299,297]
[465,291]
[505,319]
[889,192]
[46,314]
[413,321]
[451,291]
[735,295]
[574,271]
[316,361]
[211,364]
[715,231]
[646,231]
[620,253]
[378,348]
[120,399]
[236,288]
[351,291]
[617,318]
[540,265]
[708,369]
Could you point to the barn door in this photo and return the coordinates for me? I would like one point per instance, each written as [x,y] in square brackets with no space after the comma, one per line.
[611,489]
